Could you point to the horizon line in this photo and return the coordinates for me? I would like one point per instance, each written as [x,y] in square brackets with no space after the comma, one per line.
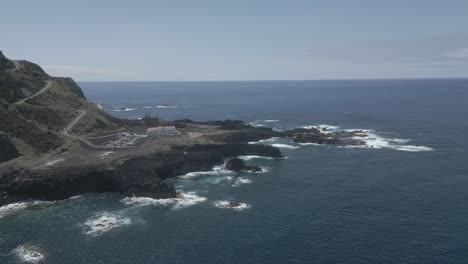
[293,80]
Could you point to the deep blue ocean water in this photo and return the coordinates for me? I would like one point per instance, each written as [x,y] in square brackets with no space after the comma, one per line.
[403,201]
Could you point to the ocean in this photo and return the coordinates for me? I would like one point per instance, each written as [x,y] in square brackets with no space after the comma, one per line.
[404,199]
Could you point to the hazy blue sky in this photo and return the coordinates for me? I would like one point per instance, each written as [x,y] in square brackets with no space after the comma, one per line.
[238,40]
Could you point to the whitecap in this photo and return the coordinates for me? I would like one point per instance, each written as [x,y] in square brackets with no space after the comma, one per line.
[28,254]
[224,204]
[148,107]
[217,170]
[285,146]
[240,181]
[183,200]
[271,120]
[103,223]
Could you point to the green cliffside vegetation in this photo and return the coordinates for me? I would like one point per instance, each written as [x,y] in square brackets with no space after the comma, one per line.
[35,125]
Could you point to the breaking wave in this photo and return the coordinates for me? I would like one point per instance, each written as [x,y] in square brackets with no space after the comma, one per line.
[284,146]
[251,157]
[240,181]
[183,200]
[166,106]
[28,254]
[378,142]
[373,140]
[273,139]
[217,170]
[15,208]
[103,223]
[224,204]
[324,128]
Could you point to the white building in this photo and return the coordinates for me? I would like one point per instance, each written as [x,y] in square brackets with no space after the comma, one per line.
[162,130]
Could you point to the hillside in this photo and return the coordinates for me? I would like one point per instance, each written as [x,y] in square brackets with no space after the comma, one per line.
[36,107]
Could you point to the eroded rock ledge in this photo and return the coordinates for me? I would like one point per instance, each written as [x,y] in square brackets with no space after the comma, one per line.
[137,176]
[149,174]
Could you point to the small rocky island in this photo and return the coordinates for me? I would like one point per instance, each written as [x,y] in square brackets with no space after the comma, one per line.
[54,144]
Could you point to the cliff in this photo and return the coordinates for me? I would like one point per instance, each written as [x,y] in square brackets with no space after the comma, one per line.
[8,150]
[35,107]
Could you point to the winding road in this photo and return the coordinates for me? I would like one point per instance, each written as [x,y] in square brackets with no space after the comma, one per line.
[71,125]
[47,86]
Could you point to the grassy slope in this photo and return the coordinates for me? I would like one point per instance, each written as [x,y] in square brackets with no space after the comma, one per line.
[36,124]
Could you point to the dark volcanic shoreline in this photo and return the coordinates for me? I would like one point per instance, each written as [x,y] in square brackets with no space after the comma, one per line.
[145,175]
[148,175]
[55,144]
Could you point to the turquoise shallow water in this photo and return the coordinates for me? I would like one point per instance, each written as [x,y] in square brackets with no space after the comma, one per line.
[403,201]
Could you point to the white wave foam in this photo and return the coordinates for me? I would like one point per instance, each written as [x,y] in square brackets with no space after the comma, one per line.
[324,128]
[271,120]
[28,254]
[167,106]
[15,208]
[231,205]
[309,144]
[264,170]
[104,222]
[256,124]
[251,157]
[222,179]
[372,140]
[184,199]
[217,170]
[285,146]
[411,148]
[378,142]
[240,181]
[269,140]
[124,109]
[148,107]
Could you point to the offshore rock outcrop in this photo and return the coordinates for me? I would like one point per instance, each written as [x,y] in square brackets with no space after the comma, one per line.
[317,136]
[237,165]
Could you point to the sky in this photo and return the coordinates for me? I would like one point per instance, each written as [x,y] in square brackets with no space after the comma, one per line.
[238,40]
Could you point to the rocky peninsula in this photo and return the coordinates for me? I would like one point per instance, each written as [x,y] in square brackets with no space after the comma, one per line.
[54,144]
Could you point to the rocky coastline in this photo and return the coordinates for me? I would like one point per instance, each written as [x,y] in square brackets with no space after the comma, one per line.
[149,175]
[47,151]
